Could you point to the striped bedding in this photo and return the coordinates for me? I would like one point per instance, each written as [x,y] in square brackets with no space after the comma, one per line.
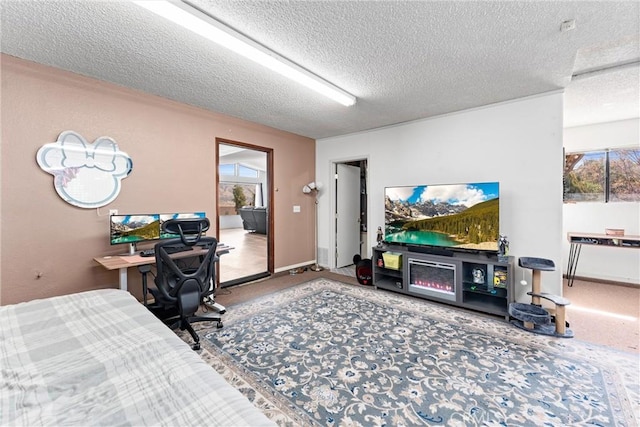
[101,358]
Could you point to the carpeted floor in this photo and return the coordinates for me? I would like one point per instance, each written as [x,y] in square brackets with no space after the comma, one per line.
[599,313]
[328,353]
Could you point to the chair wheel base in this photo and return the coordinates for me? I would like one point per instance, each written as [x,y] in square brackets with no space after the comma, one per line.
[196,346]
[219,325]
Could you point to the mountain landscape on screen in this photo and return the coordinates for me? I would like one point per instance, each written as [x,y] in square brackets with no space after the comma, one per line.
[465,216]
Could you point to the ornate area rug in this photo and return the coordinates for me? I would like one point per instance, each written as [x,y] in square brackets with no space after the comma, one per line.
[329,354]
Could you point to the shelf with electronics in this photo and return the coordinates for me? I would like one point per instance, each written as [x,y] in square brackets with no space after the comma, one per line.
[477,281]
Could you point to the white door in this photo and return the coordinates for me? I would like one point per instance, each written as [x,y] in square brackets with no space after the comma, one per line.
[347,214]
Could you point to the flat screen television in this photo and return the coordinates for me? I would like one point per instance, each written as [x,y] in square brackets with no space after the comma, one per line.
[449,217]
[132,229]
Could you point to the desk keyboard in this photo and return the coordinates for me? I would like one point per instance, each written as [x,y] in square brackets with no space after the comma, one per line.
[169,250]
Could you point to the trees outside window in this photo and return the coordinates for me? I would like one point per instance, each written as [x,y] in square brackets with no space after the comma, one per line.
[232,194]
[602,176]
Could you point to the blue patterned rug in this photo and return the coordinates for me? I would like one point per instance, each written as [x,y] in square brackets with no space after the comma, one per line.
[329,354]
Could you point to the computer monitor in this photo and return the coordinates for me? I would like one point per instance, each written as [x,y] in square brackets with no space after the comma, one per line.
[165,217]
[131,229]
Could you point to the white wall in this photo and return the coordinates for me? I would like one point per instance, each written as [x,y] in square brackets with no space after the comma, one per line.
[617,264]
[230,221]
[517,143]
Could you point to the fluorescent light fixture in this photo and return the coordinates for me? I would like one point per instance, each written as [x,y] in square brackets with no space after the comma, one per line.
[204,25]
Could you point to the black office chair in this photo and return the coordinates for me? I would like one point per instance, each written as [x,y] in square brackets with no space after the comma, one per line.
[180,290]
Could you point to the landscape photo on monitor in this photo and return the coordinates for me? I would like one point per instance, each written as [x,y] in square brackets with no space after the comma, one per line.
[166,217]
[465,216]
[134,228]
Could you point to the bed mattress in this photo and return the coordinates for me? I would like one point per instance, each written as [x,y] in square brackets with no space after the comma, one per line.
[101,358]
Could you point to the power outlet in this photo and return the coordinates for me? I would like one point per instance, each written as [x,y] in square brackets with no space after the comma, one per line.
[113,212]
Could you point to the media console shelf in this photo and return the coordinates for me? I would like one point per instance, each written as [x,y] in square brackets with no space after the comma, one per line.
[474,281]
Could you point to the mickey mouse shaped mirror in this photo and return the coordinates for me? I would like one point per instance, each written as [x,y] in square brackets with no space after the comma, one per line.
[85,175]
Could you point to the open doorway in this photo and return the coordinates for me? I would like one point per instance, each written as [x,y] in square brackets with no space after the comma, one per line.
[244,195]
[350,213]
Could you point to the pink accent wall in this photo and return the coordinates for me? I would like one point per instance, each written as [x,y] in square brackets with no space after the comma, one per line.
[172,146]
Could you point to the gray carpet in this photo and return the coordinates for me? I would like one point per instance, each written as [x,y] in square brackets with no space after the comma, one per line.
[326,353]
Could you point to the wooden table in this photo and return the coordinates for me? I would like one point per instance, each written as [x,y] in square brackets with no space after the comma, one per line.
[604,240]
[124,262]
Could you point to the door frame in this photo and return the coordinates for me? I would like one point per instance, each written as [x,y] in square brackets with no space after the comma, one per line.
[269,190]
[332,246]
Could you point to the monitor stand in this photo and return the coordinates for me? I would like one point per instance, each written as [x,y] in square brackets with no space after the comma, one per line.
[133,250]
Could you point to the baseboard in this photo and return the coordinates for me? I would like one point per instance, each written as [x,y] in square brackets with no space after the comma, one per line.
[291,267]
[605,281]
[246,279]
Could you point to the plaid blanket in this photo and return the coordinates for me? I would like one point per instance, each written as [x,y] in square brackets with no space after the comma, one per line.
[101,358]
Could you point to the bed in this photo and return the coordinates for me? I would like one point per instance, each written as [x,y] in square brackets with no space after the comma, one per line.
[101,358]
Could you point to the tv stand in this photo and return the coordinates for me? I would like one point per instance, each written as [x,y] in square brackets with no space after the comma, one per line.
[431,250]
[476,281]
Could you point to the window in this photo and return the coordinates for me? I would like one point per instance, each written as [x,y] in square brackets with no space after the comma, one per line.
[234,195]
[236,169]
[602,176]
[246,172]
[237,187]
[228,169]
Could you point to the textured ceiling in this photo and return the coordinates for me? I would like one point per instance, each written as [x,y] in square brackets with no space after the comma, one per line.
[403,60]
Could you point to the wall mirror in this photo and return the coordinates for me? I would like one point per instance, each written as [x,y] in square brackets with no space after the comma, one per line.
[85,175]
